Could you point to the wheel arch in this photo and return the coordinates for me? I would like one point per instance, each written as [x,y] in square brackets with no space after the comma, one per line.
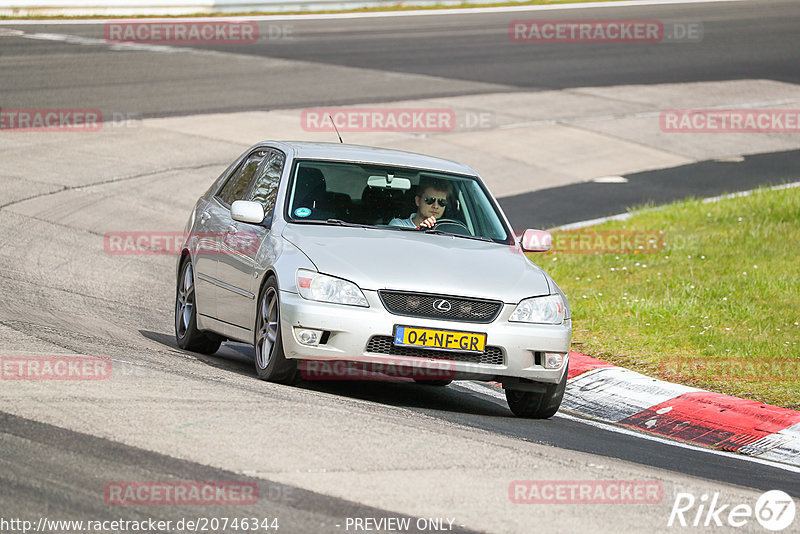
[181,259]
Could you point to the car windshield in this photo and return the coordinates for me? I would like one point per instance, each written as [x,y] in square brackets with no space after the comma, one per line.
[382,196]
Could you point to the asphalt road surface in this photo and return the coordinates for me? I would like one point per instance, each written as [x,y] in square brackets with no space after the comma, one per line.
[319,453]
[447,54]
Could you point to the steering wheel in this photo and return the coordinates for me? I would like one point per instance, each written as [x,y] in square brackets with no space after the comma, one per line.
[452,222]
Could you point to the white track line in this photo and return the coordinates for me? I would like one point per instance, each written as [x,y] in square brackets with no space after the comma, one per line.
[750,192]
[420,13]
[626,216]
[483,390]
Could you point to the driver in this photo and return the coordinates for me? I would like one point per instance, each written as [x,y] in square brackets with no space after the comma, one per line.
[431,200]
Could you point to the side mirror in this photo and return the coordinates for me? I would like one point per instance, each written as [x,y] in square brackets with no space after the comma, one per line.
[536,240]
[247,211]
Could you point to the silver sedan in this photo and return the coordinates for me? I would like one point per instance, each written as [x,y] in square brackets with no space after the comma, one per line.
[348,262]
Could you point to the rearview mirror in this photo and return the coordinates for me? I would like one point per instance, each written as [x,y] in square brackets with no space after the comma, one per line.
[536,240]
[247,211]
[389,182]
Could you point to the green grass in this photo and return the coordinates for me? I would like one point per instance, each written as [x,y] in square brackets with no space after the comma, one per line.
[717,307]
[393,7]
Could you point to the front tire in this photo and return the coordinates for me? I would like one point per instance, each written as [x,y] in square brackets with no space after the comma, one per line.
[270,361]
[535,404]
[186,333]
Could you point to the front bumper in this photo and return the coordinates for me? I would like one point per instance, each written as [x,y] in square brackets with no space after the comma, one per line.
[351,328]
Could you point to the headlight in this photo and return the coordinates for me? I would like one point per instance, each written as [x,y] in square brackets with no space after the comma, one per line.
[324,288]
[546,310]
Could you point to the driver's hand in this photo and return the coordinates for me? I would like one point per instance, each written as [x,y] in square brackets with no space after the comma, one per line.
[428,223]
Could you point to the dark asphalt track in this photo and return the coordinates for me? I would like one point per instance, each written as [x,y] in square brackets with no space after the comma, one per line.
[742,40]
[60,474]
[756,39]
[490,414]
[749,40]
[589,200]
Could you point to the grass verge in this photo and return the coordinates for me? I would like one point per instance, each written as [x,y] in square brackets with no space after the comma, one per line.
[715,304]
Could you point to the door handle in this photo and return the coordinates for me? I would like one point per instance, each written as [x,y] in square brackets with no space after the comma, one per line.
[204,217]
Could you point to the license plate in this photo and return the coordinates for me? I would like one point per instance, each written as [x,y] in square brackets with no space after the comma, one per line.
[427,338]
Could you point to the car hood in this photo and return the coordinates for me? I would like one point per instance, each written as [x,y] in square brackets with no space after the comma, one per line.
[414,261]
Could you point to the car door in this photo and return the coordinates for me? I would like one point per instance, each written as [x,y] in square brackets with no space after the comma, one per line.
[204,247]
[218,223]
[239,254]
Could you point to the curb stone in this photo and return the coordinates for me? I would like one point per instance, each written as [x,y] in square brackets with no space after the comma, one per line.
[616,395]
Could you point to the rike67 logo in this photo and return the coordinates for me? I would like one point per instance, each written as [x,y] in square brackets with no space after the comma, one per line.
[774,510]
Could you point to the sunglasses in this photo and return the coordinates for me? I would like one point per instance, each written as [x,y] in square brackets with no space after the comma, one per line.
[430,200]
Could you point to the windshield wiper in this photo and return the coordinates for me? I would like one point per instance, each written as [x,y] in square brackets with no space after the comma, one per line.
[402,228]
[339,222]
[478,237]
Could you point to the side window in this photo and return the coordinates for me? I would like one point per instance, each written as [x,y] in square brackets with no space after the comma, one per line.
[265,189]
[237,185]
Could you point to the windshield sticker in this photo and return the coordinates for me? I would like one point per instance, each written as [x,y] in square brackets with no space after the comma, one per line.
[302,212]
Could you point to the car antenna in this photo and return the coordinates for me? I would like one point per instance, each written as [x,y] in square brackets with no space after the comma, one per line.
[335,128]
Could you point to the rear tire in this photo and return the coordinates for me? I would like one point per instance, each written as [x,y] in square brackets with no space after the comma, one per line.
[186,333]
[270,362]
[537,405]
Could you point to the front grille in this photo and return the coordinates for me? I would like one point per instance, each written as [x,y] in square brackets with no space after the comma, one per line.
[385,345]
[443,307]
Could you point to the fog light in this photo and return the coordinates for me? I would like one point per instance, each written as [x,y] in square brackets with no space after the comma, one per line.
[553,360]
[308,337]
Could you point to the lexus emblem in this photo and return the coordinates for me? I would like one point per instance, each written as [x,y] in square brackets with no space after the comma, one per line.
[442,305]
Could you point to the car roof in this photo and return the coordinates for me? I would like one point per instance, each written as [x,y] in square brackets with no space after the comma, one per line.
[368,154]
